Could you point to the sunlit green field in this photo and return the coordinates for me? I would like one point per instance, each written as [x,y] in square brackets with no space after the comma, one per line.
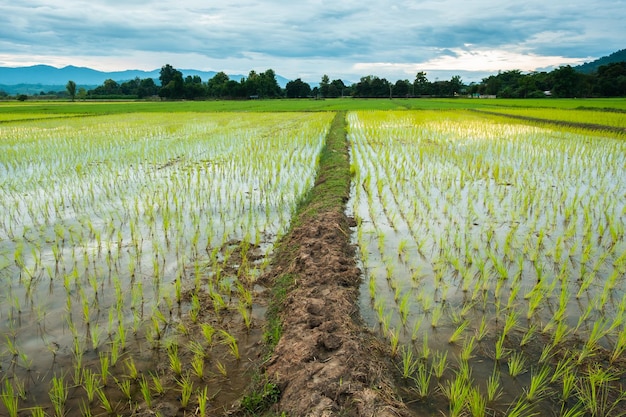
[29,110]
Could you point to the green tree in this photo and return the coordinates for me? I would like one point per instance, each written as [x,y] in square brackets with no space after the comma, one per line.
[263,84]
[337,88]
[172,84]
[147,88]
[456,85]
[217,86]
[324,85]
[297,89]
[71,89]
[567,82]
[402,88]
[421,85]
[611,80]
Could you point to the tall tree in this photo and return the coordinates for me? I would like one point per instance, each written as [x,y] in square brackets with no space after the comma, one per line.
[421,84]
[71,89]
[172,85]
[324,85]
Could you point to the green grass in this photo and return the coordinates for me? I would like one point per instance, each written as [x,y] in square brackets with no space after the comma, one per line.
[12,111]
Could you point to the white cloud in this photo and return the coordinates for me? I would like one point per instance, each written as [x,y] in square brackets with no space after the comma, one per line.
[345,39]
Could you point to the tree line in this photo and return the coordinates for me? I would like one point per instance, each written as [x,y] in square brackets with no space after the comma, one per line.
[608,81]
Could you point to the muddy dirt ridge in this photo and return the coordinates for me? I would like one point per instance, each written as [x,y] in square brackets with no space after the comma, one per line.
[326,362]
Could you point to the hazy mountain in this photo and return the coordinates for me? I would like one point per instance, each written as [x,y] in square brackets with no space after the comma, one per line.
[589,67]
[47,78]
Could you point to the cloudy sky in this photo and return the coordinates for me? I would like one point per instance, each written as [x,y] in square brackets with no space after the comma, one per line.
[345,39]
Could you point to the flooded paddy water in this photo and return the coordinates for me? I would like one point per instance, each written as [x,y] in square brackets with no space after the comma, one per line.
[494,260]
[129,250]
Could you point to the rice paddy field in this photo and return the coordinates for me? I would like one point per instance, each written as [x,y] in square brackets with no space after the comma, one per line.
[129,248]
[492,250]
[495,260]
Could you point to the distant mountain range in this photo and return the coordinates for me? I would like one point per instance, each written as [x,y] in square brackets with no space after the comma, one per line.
[37,78]
[589,67]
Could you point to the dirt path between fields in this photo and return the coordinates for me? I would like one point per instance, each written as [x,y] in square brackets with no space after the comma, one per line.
[326,362]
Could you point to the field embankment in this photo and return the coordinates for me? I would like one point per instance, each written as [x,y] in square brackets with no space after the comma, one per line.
[324,363]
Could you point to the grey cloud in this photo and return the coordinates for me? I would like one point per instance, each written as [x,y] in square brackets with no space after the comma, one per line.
[326,31]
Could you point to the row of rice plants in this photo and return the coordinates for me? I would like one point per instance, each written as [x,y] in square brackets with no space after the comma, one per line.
[129,250]
[598,117]
[495,260]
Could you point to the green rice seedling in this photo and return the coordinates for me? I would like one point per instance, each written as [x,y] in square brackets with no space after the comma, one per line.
[528,336]
[221,368]
[203,401]
[620,345]
[121,335]
[245,314]
[404,307]
[104,368]
[477,403]
[482,329]
[568,382]
[90,383]
[186,390]
[516,363]
[105,403]
[425,347]
[58,395]
[157,384]
[457,332]
[560,333]
[37,411]
[422,380]
[456,391]
[563,366]
[372,287]
[596,394]
[230,340]
[85,409]
[500,352]
[394,340]
[124,387]
[95,336]
[509,323]
[521,408]
[599,330]
[494,388]
[197,349]
[176,364]
[436,316]
[197,365]
[11,347]
[131,368]
[114,353]
[20,389]
[468,348]
[9,399]
[575,411]
[440,362]
[416,327]
[546,353]
[538,384]
[409,362]
[144,387]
